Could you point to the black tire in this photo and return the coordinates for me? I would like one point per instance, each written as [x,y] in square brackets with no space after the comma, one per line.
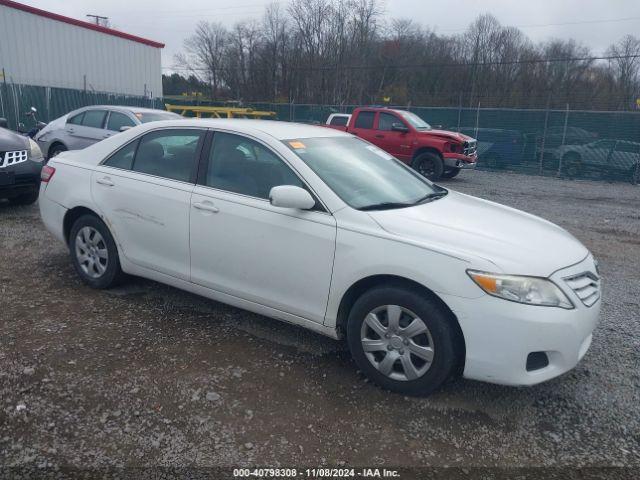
[572,165]
[429,165]
[56,149]
[25,198]
[112,274]
[451,172]
[446,356]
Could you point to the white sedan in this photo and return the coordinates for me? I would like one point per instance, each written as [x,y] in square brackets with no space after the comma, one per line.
[321,229]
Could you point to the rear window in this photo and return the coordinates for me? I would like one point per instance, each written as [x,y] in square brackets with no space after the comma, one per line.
[365,120]
[146,117]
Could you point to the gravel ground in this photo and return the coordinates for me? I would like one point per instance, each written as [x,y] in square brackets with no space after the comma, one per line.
[147,375]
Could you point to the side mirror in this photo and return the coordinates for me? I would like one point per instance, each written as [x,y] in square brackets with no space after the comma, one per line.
[33,110]
[399,127]
[290,196]
[4,123]
[124,128]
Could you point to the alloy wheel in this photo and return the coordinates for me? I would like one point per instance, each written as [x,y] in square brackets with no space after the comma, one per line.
[91,252]
[397,342]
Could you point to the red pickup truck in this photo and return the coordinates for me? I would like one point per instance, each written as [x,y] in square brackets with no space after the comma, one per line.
[434,153]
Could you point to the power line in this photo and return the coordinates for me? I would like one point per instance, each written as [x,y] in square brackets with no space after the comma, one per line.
[539,25]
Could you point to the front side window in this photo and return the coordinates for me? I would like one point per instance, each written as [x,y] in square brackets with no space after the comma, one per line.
[386,121]
[118,120]
[94,118]
[240,165]
[362,175]
[169,154]
[365,120]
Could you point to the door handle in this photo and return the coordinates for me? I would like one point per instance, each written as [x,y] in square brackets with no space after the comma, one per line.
[70,130]
[379,135]
[106,135]
[105,181]
[206,206]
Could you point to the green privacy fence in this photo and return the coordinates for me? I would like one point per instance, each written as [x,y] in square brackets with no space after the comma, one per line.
[51,102]
[566,143]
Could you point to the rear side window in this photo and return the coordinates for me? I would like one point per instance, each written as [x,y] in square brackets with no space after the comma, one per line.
[94,118]
[339,121]
[123,158]
[76,119]
[365,120]
[118,120]
[169,153]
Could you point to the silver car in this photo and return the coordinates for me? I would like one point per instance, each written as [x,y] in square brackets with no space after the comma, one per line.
[83,127]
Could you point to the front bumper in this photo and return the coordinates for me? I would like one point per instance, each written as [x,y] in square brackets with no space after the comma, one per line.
[456,160]
[499,335]
[24,177]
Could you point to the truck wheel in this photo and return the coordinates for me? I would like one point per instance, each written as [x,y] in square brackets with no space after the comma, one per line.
[451,172]
[428,165]
[25,198]
[402,340]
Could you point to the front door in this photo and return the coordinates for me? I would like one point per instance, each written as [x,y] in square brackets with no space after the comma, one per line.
[243,246]
[144,192]
[396,143]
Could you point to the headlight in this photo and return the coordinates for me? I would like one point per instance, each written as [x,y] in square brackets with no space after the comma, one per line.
[528,290]
[35,154]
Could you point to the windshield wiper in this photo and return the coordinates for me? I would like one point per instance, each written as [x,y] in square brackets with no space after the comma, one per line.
[385,206]
[429,197]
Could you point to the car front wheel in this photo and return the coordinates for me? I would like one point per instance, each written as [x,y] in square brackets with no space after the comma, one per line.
[402,340]
[94,253]
[429,165]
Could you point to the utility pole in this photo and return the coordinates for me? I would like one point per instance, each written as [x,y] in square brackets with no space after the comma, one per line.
[98,18]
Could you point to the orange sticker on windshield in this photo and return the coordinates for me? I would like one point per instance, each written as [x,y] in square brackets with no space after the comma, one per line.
[297,145]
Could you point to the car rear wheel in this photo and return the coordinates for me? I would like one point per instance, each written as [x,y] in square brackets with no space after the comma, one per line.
[451,172]
[402,340]
[94,253]
[56,149]
[572,164]
[429,165]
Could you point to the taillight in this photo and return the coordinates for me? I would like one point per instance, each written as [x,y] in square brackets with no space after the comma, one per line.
[46,173]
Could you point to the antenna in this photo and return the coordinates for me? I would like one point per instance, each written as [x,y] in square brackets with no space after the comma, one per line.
[98,18]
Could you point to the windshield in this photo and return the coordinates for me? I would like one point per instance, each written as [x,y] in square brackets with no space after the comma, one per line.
[362,175]
[415,121]
[145,117]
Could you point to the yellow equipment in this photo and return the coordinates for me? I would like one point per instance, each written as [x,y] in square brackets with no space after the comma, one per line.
[200,111]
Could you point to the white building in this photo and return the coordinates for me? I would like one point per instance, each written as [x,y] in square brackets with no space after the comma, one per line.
[42,48]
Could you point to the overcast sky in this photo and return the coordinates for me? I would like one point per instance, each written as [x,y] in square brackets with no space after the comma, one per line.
[595,23]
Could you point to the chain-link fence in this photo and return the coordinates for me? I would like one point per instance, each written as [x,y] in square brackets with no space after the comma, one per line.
[51,102]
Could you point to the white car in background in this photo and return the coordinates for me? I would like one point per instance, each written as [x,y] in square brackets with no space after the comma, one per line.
[321,229]
[85,126]
[338,119]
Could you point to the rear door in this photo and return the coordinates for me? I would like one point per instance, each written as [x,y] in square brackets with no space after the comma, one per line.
[396,143]
[144,191]
[85,129]
[363,125]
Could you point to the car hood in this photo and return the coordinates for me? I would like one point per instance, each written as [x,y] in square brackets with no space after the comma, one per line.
[10,141]
[459,137]
[469,227]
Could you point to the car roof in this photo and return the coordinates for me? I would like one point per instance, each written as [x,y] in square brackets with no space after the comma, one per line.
[123,107]
[277,129]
